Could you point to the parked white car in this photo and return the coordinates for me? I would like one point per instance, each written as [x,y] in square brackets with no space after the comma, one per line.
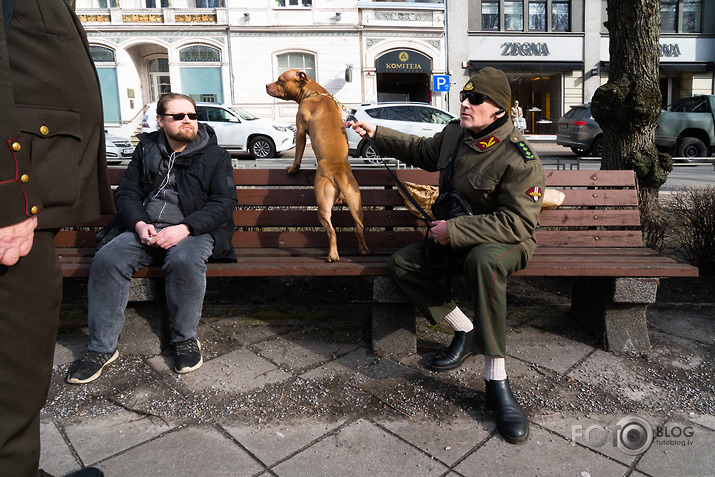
[421,119]
[119,150]
[237,129]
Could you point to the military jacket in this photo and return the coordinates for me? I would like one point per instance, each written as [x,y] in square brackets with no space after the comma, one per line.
[52,162]
[500,175]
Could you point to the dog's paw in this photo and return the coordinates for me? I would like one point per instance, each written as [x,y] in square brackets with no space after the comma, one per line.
[292,170]
[332,259]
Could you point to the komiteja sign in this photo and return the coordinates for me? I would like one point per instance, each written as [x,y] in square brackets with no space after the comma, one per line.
[403,61]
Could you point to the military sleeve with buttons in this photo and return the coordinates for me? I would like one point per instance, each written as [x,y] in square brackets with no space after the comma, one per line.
[499,173]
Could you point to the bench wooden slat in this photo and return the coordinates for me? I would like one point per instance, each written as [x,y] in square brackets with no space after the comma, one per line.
[588,218]
[560,178]
[589,238]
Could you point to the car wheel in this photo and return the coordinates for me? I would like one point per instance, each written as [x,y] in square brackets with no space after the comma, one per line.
[369,155]
[261,147]
[690,147]
[596,147]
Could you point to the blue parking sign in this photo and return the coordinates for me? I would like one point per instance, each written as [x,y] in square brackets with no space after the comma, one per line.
[440,83]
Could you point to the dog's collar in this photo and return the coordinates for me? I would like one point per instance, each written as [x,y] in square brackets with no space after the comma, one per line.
[317,93]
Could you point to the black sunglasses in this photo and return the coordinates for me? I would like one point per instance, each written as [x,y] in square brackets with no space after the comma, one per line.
[475,99]
[180,116]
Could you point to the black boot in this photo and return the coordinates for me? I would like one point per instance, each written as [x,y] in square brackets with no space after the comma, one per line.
[459,350]
[512,422]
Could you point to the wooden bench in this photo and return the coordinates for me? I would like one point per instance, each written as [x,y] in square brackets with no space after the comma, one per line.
[594,237]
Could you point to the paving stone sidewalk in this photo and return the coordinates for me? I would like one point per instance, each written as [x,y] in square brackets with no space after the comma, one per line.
[290,388]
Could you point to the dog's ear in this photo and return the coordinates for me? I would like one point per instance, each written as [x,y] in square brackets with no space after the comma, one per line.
[303,77]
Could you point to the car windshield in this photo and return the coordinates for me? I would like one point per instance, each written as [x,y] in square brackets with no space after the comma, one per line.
[243,114]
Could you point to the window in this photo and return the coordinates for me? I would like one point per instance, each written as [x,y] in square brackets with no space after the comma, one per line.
[294,3]
[157,3]
[691,16]
[210,4]
[669,16]
[105,4]
[537,15]
[105,62]
[490,15]
[514,15]
[100,54]
[297,61]
[433,116]
[560,15]
[199,54]
[202,83]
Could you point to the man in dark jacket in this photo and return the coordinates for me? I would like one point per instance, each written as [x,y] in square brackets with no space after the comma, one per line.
[485,158]
[175,203]
[52,175]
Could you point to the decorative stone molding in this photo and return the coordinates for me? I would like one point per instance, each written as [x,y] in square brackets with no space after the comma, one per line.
[206,18]
[403,17]
[373,41]
[142,18]
[94,18]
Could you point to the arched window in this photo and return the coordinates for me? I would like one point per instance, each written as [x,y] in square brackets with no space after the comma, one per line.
[200,54]
[101,54]
[297,61]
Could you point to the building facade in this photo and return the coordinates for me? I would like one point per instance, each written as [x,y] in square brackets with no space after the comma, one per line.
[555,52]
[226,51]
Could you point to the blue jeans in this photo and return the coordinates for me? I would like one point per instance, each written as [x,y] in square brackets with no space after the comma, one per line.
[110,277]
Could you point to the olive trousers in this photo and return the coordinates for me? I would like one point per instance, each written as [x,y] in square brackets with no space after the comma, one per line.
[30,297]
[486,268]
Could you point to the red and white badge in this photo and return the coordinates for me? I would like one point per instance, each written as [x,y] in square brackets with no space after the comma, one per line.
[535,193]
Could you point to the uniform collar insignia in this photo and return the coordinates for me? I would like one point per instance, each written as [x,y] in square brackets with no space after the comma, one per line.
[535,193]
[487,142]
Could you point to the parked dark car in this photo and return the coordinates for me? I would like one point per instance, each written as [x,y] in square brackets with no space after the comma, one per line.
[578,130]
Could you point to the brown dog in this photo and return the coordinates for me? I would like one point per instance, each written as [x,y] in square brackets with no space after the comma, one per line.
[319,116]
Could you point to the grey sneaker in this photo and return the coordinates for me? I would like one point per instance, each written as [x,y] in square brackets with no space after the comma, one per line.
[90,368]
[187,356]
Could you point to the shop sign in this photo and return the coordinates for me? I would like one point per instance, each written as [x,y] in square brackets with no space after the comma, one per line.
[671,50]
[403,61]
[513,48]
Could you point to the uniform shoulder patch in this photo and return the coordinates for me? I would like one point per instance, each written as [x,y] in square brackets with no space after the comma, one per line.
[535,193]
[524,149]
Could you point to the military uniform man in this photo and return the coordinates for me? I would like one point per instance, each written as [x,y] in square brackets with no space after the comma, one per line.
[503,180]
[53,173]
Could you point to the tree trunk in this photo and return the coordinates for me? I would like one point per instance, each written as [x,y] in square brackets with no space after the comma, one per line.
[628,105]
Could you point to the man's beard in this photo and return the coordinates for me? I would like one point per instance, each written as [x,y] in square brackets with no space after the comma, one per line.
[183,135]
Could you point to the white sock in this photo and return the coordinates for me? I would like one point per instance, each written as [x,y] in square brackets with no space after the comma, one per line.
[494,369]
[459,321]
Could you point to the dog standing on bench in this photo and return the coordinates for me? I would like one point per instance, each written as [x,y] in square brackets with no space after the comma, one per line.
[319,116]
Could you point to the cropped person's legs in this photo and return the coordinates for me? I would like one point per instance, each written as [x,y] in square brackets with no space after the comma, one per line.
[108,288]
[30,294]
[422,285]
[486,270]
[185,267]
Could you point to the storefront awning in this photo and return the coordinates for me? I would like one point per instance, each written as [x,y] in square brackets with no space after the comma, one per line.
[528,65]
[675,67]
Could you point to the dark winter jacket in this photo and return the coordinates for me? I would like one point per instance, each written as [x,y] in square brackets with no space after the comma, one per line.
[204,177]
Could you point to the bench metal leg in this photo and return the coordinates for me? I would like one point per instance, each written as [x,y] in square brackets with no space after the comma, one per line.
[615,309]
[394,326]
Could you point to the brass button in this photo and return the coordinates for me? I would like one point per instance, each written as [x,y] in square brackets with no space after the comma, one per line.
[24,178]
[44,130]
[34,210]
[16,146]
